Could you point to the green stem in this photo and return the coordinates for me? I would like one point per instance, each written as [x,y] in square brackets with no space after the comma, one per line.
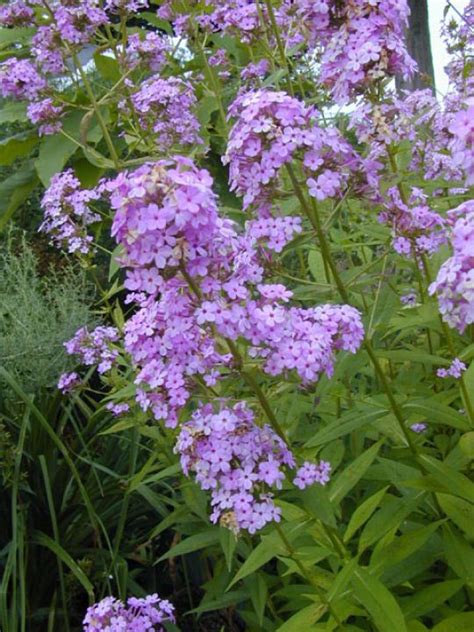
[102,123]
[281,49]
[313,216]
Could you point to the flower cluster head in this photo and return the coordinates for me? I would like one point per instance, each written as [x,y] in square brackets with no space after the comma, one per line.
[117,409]
[199,283]
[16,13]
[94,347]
[165,111]
[455,369]
[46,114]
[367,46]
[166,219]
[19,79]
[145,614]
[418,428]
[78,22]
[454,285]
[462,146]
[238,461]
[415,227]
[150,51]
[271,129]
[67,214]
[310,473]
[68,381]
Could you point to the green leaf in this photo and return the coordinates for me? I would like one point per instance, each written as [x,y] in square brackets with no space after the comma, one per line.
[257,587]
[53,155]
[437,413]
[402,547]
[120,426]
[455,482]
[429,598]
[345,425]
[304,619]
[416,626]
[342,579]
[378,601]
[228,542]
[463,622]
[363,513]
[193,543]
[316,266]
[107,66]
[225,601]
[353,473]
[389,516]
[153,19]
[13,112]
[97,159]
[459,554]
[274,78]
[15,35]
[206,106]
[468,378]
[466,443]
[261,554]
[16,146]
[44,540]
[412,355]
[15,190]
[459,510]
[316,502]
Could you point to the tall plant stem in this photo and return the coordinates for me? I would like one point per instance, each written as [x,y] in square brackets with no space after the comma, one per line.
[281,49]
[95,105]
[311,211]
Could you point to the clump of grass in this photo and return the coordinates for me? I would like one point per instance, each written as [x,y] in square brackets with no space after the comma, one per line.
[38,312]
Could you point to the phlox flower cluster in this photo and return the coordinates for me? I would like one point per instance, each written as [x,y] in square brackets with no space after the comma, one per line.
[68,381]
[66,213]
[19,79]
[418,428]
[94,347]
[359,42]
[458,36]
[16,13]
[78,22]
[462,145]
[46,115]
[409,299]
[238,461]
[149,51]
[165,110]
[454,285]
[455,369]
[417,117]
[147,614]
[415,227]
[166,218]
[117,409]
[62,30]
[311,473]
[198,281]
[367,46]
[270,131]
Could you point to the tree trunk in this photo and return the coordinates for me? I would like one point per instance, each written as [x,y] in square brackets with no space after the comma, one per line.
[419,47]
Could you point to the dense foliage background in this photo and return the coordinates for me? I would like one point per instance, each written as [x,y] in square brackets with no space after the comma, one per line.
[253,281]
